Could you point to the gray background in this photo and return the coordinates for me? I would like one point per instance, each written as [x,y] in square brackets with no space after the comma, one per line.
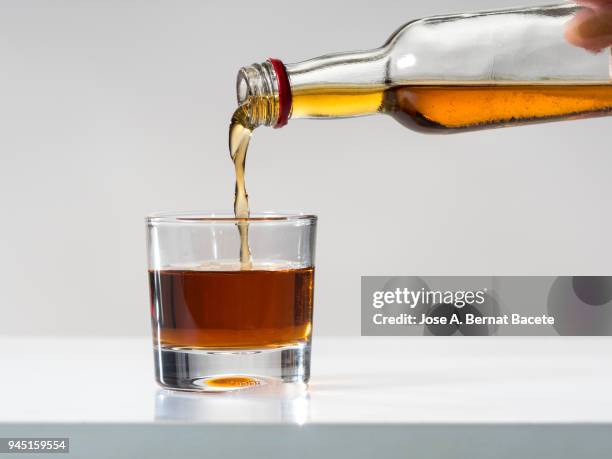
[111,110]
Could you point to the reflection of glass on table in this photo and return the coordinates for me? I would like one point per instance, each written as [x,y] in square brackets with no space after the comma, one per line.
[273,403]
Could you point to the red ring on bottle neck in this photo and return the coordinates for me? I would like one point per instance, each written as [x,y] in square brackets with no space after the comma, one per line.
[284,92]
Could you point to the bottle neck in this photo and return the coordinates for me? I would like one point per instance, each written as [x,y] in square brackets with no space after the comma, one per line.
[332,86]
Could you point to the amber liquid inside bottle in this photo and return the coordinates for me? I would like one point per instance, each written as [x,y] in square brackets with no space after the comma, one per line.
[225,309]
[445,107]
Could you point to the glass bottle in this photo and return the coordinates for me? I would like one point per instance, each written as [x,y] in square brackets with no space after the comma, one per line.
[444,74]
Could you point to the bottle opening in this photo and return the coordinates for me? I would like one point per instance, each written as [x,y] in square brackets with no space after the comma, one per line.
[266,90]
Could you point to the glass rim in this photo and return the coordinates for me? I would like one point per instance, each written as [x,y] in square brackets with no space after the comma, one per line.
[179,217]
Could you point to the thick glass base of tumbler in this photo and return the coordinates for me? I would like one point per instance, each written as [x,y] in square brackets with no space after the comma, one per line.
[209,370]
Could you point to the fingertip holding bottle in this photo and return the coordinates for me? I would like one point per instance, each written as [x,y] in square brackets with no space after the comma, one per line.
[591,28]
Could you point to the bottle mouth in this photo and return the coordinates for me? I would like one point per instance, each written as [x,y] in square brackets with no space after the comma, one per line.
[242,87]
[254,81]
[267,86]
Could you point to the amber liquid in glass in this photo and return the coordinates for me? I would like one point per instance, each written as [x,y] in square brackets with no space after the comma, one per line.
[214,309]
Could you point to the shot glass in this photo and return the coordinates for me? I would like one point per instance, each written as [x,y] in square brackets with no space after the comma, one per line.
[220,321]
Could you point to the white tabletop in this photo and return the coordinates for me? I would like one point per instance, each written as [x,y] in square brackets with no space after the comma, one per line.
[374,382]
[354,380]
